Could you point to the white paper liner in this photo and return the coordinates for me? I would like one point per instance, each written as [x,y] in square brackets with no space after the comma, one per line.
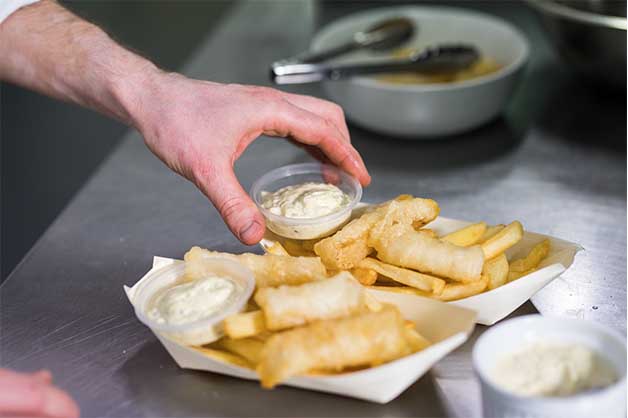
[377,384]
[496,304]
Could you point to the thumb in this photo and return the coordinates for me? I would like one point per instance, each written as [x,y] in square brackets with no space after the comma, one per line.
[235,206]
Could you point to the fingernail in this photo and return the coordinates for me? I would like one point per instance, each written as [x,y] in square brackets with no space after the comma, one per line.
[250,234]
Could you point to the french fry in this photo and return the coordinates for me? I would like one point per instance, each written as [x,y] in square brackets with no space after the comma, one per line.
[497,271]
[503,240]
[364,275]
[514,275]
[490,232]
[244,325]
[466,236]
[424,282]
[372,304]
[400,289]
[277,249]
[262,336]
[417,341]
[428,232]
[248,348]
[533,259]
[224,357]
[463,290]
[297,249]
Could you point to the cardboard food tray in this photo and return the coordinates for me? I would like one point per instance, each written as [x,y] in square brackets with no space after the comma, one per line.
[379,384]
[496,304]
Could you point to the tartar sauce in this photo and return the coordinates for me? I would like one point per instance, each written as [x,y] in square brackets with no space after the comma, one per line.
[189,302]
[543,369]
[306,200]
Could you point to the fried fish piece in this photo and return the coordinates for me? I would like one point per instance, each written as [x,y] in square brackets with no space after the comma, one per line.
[347,247]
[269,269]
[402,246]
[362,340]
[290,306]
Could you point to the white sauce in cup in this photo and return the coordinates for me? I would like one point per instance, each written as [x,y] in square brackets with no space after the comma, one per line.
[544,369]
[189,302]
[306,200]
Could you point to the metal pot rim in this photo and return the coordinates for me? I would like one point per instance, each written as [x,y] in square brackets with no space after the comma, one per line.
[553,8]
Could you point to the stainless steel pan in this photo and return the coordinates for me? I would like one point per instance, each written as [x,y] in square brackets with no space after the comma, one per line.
[589,34]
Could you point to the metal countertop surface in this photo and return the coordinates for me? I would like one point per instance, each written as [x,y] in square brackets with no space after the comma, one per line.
[556,161]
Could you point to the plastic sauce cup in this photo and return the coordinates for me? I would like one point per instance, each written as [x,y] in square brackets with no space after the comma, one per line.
[207,329]
[290,175]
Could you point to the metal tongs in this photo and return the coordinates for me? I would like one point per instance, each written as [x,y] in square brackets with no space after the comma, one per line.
[384,35]
[437,59]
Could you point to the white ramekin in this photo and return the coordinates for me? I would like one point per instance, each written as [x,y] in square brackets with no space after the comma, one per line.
[511,335]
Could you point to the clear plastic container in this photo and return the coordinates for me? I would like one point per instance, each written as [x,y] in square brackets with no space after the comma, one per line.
[290,175]
[205,330]
[511,335]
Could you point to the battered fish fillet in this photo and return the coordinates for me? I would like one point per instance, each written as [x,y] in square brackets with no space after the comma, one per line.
[402,246]
[332,345]
[269,269]
[347,247]
[290,306]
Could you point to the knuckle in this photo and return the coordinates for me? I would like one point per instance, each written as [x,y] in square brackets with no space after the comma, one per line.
[338,111]
[202,172]
[230,207]
[330,127]
[343,156]
[265,93]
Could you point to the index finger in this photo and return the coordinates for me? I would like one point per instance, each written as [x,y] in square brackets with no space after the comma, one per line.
[311,129]
[324,108]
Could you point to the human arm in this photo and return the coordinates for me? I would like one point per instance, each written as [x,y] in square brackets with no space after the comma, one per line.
[197,128]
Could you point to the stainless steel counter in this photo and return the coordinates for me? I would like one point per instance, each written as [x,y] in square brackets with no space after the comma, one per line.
[556,161]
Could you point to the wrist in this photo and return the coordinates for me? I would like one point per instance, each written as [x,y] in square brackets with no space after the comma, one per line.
[132,88]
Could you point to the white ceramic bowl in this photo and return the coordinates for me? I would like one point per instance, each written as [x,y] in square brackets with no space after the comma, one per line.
[290,175]
[511,335]
[428,110]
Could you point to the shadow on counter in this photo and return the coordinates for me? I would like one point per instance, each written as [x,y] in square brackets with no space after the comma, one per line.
[484,144]
[163,389]
[587,114]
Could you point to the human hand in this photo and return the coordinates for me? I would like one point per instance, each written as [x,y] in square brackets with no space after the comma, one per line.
[199,129]
[33,395]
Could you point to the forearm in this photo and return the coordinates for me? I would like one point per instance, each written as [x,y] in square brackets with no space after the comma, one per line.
[46,48]
[198,128]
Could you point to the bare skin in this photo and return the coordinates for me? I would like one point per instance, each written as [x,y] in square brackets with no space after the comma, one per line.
[197,128]
[33,395]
